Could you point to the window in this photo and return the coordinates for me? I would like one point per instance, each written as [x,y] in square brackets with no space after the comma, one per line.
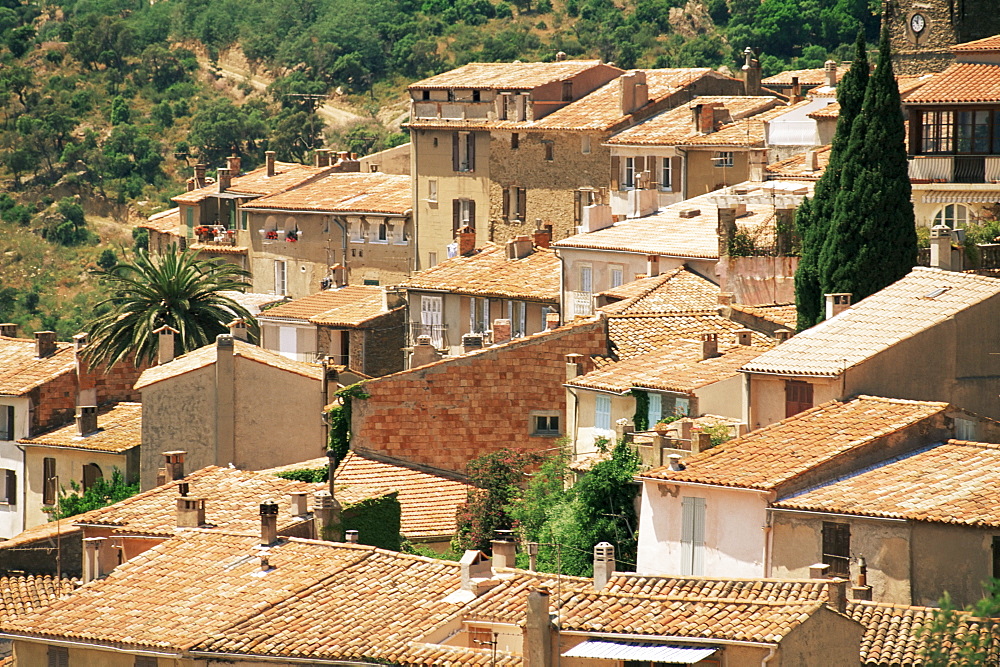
[516,313]
[628,176]
[515,141]
[837,548]
[430,318]
[955,216]
[280,276]
[432,190]
[585,144]
[371,282]
[666,175]
[463,214]
[49,481]
[463,151]
[586,279]
[692,535]
[479,315]
[583,300]
[655,411]
[723,159]
[7,422]
[996,557]
[567,91]
[798,397]
[616,276]
[515,202]
[244,220]
[425,95]
[432,259]
[549,151]
[602,413]
[145,661]
[581,200]
[965,429]
[383,232]
[477,96]
[189,217]
[547,425]
[974,131]
[58,656]
[8,486]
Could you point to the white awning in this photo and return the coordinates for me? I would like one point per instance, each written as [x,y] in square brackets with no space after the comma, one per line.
[961,197]
[607,649]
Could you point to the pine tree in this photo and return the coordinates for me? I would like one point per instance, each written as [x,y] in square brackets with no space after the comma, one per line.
[872,239]
[813,216]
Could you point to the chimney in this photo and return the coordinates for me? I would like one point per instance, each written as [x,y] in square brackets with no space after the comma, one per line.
[830,70]
[92,558]
[238,329]
[652,265]
[352,536]
[45,343]
[705,122]
[466,241]
[268,523]
[339,274]
[520,247]
[165,343]
[700,442]
[574,366]
[327,517]
[191,184]
[471,341]
[538,630]
[8,329]
[634,94]
[751,73]
[725,299]
[560,56]
[604,564]
[501,331]
[941,247]
[86,420]
[675,462]
[726,228]
[504,553]
[233,163]
[836,594]
[796,95]
[709,345]
[300,505]
[837,303]
[224,179]
[174,465]
[474,565]
[199,174]
[862,591]
[812,160]
[542,238]
[818,571]
[423,352]
[744,336]
[781,335]
[190,512]
[269,161]
[683,426]
[225,401]
[551,321]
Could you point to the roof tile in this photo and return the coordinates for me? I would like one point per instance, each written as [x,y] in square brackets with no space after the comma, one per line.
[506,76]
[119,429]
[344,193]
[961,82]
[21,371]
[349,306]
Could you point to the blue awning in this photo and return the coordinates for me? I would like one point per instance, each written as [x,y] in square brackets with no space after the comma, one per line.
[607,649]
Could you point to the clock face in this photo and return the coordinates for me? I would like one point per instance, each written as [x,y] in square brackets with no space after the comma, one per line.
[918,23]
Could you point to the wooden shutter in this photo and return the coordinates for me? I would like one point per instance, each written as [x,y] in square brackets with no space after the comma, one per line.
[58,656]
[522,202]
[616,172]
[675,174]
[837,548]
[640,166]
[472,214]
[470,138]
[798,397]
[456,216]
[7,432]
[506,204]
[577,206]
[49,481]
[454,152]
[10,489]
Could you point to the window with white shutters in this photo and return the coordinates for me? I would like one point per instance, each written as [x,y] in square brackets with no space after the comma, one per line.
[655,411]
[280,277]
[430,318]
[692,535]
[602,413]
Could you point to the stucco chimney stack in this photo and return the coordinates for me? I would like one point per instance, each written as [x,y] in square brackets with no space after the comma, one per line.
[751,73]
[551,321]
[538,630]
[501,331]
[675,462]
[700,442]
[744,336]
[652,265]
[504,553]
[86,419]
[725,299]
[268,523]
[466,241]
[225,179]
[604,564]
[8,329]
[574,366]
[300,505]
[233,163]
[837,303]
[836,593]
[165,343]
[519,247]
[190,512]
[781,335]
[352,536]
[830,70]
[941,247]
[45,343]
[339,274]
[472,341]
[327,517]
[812,160]
[92,558]
[796,95]
[709,345]
[238,329]
[862,591]
[174,464]
[634,94]
[269,161]
[199,174]
[818,571]
[423,352]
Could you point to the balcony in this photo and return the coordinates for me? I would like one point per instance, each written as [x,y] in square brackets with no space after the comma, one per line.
[215,235]
[954,169]
[583,304]
[437,332]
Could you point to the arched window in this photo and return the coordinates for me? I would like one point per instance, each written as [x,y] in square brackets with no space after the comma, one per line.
[383,231]
[955,216]
[91,473]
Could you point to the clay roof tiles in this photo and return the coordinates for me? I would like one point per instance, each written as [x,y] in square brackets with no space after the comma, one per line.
[807,77]
[776,454]
[348,306]
[20,595]
[639,334]
[488,272]
[168,221]
[967,83]
[119,429]
[257,182]
[743,132]
[795,166]
[206,356]
[360,192]
[918,301]
[785,315]
[506,76]
[677,126]
[676,291]
[21,371]
[985,44]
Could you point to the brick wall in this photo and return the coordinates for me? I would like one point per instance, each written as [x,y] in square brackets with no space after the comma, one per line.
[55,401]
[447,413]
[385,339]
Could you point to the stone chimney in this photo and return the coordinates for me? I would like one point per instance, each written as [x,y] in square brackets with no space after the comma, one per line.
[751,73]
[519,247]
[836,594]
[233,163]
[675,462]
[92,558]
[652,265]
[604,564]
[8,330]
[323,157]
[538,630]
[796,95]
[300,504]
[830,70]
[818,571]
[862,591]
[165,343]
[466,241]
[941,247]
[225,179]
[812,160]
[501,331]
[634,94]
[574,366]
[472,341]
[781,335]
[199,174]
[269,161]
[541,237]
[504,553]
[704,117]
[86,420]
[45,343]
[551,321]
[744,336]
[190,512]
[709,345]
[191,184]
[238,329]
[268,523]
[327,513]
[726,299]
[423,352]
[174,464]
[352,536]
[837,303]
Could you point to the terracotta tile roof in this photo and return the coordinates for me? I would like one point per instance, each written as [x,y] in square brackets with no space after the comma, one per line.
[232,502]
[951,482]
[47,533]
[677,367]
[601,109]
[351,192]
[21,371]
[677,126]
[120,429]
[252,301]
[677,291]
[220,249]
[206,356]
[168,221]
[489,273]
[795,166]
[348,306]
[745,132]
[31,593]
[428,500]
[635,335]
[807,77]
[985,44]
[776,454]
[506,76]
[784,314]
[829,111]
[960,83]
[748,590]
[920,300]
[257,182]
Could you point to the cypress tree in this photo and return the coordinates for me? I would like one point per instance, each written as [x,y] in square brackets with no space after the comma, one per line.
[813,216]
[872,240]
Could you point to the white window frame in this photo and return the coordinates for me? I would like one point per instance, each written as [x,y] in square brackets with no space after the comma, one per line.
[725,159]
[692,535]
[616,275]
[654,411]
[280,277]
[666,174]
[517,314]
[465,213]
[8,486]
[431,313]
[955,216]
[432,190]
[479,315]
[8,421]
[464,162]
[602,413]
[585,144]
[628,173]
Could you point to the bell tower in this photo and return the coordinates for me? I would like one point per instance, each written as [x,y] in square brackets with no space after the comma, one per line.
[923,31]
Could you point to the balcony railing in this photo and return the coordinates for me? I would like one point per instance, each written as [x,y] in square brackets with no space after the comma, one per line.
[955,168]
[437,332]
[583,304]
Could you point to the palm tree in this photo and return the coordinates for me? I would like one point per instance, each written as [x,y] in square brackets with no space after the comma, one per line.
[176,289]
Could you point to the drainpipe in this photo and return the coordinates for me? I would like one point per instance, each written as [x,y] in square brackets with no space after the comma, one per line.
[562,290]
[767,658]
[343,237]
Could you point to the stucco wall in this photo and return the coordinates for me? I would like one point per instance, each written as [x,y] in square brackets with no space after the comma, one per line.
[69,468]
[825,638]
[703,175]
[724,398]
[767,396]
[12,458]
[622,407]
[950,558]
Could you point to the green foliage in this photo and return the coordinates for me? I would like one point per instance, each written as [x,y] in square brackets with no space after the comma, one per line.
[376,520]
[221,128]
[140,238]
[120,114]
[963,638]
[175,289]
[339,420]
[311,475]
[18,214]
[498,476]
[718,433]
[641,416]
[100,494]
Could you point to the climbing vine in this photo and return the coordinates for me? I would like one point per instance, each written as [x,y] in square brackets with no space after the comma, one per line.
[641,416]
[339,419]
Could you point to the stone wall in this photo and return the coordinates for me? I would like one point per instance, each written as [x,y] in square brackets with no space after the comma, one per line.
[384,341]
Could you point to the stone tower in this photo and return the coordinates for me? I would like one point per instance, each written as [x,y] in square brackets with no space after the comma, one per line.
[923,31]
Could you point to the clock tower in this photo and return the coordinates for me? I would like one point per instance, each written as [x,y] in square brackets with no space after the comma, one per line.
[923,31]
